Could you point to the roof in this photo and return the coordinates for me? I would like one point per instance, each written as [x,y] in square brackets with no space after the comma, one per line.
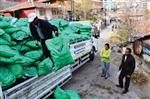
[4,5]
[26,5]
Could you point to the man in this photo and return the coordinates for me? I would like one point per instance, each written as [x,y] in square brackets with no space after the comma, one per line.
[127,68]
[41,30]
[105,60]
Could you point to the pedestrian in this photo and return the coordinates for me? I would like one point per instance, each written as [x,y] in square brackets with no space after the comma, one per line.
[127,67]
[41,30]
[105,60]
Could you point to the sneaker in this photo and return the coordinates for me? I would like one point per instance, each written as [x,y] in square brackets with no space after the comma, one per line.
[119,86]
[102,76]
[125,91]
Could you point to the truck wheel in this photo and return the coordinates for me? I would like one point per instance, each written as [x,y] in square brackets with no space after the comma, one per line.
[92,55]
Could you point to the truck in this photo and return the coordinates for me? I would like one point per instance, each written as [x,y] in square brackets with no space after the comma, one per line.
[41,87]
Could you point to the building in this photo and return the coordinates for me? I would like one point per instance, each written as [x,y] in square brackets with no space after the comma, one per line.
[43,10]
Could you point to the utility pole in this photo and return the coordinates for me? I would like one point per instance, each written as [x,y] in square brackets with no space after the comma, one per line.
[72,8]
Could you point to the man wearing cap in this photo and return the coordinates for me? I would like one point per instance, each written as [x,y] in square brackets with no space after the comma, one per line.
[41,30]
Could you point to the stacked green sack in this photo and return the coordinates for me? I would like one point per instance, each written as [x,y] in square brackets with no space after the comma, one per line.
[73,31]
[19,56]
[60,52]
[65,94]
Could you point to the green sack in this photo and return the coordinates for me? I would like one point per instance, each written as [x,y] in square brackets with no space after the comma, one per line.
[22,22]
[36,63]
[4,24]
[20,35]
[73,94]
[6,37]
[63,23]
[7,19]
[11,30]
[16,69]
[3,42]
[32,45]
[45,67]
[12,60]
[26,61]
[30,71]
[25,48]
[1,18]
[16,47]
[75,26]
[85,28]
[2,32]
[25,29]
[6,77]
[36,55]
[7,51]
[59,22]
[60,94]
[60,52]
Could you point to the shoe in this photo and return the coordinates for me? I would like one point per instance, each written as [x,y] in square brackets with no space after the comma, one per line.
[119,86]
[102,75]
[125,91]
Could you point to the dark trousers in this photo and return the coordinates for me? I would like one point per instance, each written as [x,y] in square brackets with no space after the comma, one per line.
[127,80]
[45,50]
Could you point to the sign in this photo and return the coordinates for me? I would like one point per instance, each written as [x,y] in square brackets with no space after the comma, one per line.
[81,48]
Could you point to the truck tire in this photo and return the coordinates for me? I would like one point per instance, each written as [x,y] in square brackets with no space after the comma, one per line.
[92,55]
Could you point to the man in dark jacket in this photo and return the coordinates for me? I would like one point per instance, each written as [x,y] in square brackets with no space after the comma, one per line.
[41,30]
[127,68]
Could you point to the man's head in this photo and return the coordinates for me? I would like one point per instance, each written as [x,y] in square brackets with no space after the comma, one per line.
[32,17]
[107,46]
[128,51]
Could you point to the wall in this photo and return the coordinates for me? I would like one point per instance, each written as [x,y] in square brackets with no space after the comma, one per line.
[24,13]
[7,14]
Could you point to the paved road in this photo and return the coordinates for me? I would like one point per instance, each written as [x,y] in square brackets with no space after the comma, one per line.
[88,82]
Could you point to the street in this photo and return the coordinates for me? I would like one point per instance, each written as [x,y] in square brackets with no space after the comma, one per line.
[88,82]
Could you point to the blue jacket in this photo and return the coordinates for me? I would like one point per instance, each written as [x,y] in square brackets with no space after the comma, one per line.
[46,28]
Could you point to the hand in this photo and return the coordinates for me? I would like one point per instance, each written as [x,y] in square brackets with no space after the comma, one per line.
[128,76]
[36,42]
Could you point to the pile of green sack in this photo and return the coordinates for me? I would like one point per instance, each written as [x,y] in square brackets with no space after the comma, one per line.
[73,31]
[65,94]
[21,58]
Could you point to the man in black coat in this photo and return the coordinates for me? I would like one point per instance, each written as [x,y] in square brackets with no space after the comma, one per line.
[127,67]
[41,30]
